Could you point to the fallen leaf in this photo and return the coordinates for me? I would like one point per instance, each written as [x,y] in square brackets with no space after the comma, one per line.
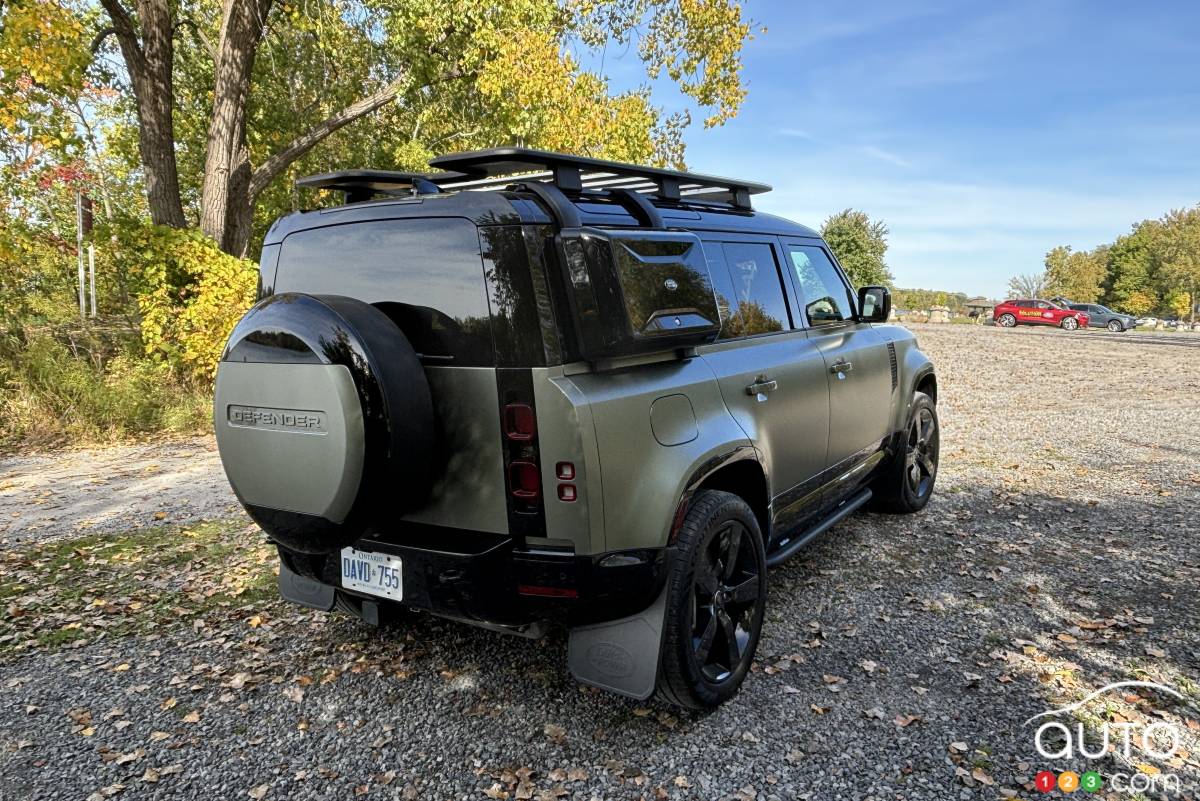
[556,733]
[293,693]
[959,746]
[981,776]
[258,792]
[192,717]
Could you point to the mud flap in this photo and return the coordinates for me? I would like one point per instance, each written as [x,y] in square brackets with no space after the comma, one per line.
[620,656]
[304,591]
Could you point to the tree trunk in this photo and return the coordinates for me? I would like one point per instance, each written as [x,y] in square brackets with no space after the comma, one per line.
[150,63]
[227,163]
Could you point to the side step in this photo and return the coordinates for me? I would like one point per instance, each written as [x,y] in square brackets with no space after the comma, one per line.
[794,545]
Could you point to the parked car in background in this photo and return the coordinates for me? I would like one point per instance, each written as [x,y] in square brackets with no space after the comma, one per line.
[1032,311]
[1104,317]
[1146,321]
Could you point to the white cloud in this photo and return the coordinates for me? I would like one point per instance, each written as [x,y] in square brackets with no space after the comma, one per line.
[884,155]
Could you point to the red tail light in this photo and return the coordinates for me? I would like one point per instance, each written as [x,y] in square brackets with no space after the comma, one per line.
[519,423]
[524,482]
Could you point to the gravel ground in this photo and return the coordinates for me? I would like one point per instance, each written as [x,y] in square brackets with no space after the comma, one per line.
[901,658]
[44,496]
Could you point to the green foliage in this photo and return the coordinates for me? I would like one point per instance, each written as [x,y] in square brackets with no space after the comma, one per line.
[191,296]
[916,299]
[53,391]
[860,245]
[1077,275]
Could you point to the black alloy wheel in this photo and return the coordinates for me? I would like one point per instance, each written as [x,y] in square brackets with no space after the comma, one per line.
[921,453]
[716,599]
[724,601]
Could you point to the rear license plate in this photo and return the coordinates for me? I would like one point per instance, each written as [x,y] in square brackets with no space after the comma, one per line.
[374,573]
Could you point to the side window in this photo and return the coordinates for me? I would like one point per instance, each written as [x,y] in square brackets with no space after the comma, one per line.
[1024,304]
[1041,304]
[756,304]
[826,297]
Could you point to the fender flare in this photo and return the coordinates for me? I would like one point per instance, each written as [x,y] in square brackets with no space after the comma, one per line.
[701,472]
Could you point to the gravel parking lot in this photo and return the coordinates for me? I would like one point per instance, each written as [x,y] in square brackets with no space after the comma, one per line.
[901,658]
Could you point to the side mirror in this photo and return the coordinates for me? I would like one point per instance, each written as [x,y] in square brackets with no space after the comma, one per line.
[874,304]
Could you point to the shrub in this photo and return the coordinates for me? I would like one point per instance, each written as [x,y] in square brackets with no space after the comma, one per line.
[50,395]
[190,297]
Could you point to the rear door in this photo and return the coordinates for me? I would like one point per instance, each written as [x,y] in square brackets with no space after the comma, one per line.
[857,365]
[772,377]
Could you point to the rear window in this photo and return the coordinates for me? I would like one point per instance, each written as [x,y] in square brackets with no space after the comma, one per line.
[426,274]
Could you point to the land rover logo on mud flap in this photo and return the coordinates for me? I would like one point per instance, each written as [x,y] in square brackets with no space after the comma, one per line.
[671,284]
[297,420]
[610,658]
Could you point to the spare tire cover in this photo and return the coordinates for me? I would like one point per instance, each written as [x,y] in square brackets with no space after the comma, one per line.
[323,419]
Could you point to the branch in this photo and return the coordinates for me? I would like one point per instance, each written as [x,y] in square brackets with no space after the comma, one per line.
[188,22]
[270,169]
[127,35]
[100,36]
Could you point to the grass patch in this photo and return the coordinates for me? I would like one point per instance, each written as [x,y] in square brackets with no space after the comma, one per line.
[112,585]
[53,392]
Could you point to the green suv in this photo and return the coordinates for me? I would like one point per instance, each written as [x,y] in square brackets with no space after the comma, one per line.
[530,388]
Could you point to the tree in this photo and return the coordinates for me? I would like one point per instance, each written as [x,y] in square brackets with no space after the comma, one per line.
[1029,285]
[859,244]
[1179,255]
[243,91]
[1128,284]
[1076,275]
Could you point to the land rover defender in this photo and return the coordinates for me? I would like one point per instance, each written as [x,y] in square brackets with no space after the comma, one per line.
[528,388]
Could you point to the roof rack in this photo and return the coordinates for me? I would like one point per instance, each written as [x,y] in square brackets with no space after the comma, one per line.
[494,168]
[360,185]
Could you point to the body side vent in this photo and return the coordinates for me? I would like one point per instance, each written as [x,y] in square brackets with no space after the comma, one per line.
[892,361]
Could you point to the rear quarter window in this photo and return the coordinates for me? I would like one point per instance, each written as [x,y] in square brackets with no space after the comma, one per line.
[426,274]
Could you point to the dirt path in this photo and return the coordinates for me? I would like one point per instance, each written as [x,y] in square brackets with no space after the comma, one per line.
[54,495]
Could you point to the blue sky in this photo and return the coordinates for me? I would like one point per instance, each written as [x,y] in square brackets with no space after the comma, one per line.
[982,134]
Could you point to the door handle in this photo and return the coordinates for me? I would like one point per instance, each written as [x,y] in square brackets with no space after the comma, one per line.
[841,367]
[762,385]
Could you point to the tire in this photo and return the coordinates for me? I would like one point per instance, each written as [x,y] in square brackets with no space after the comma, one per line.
[1006,320]
[1069,323]
[298,365]
[1115,326]
[899,489]
[715,605]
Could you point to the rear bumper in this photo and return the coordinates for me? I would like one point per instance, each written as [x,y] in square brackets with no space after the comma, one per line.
[488,579]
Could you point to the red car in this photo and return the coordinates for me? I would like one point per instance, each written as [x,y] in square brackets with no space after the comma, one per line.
[1038,312]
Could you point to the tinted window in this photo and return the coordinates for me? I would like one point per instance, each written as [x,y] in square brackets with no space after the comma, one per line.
[427,275]
[826,296]
[749,294]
